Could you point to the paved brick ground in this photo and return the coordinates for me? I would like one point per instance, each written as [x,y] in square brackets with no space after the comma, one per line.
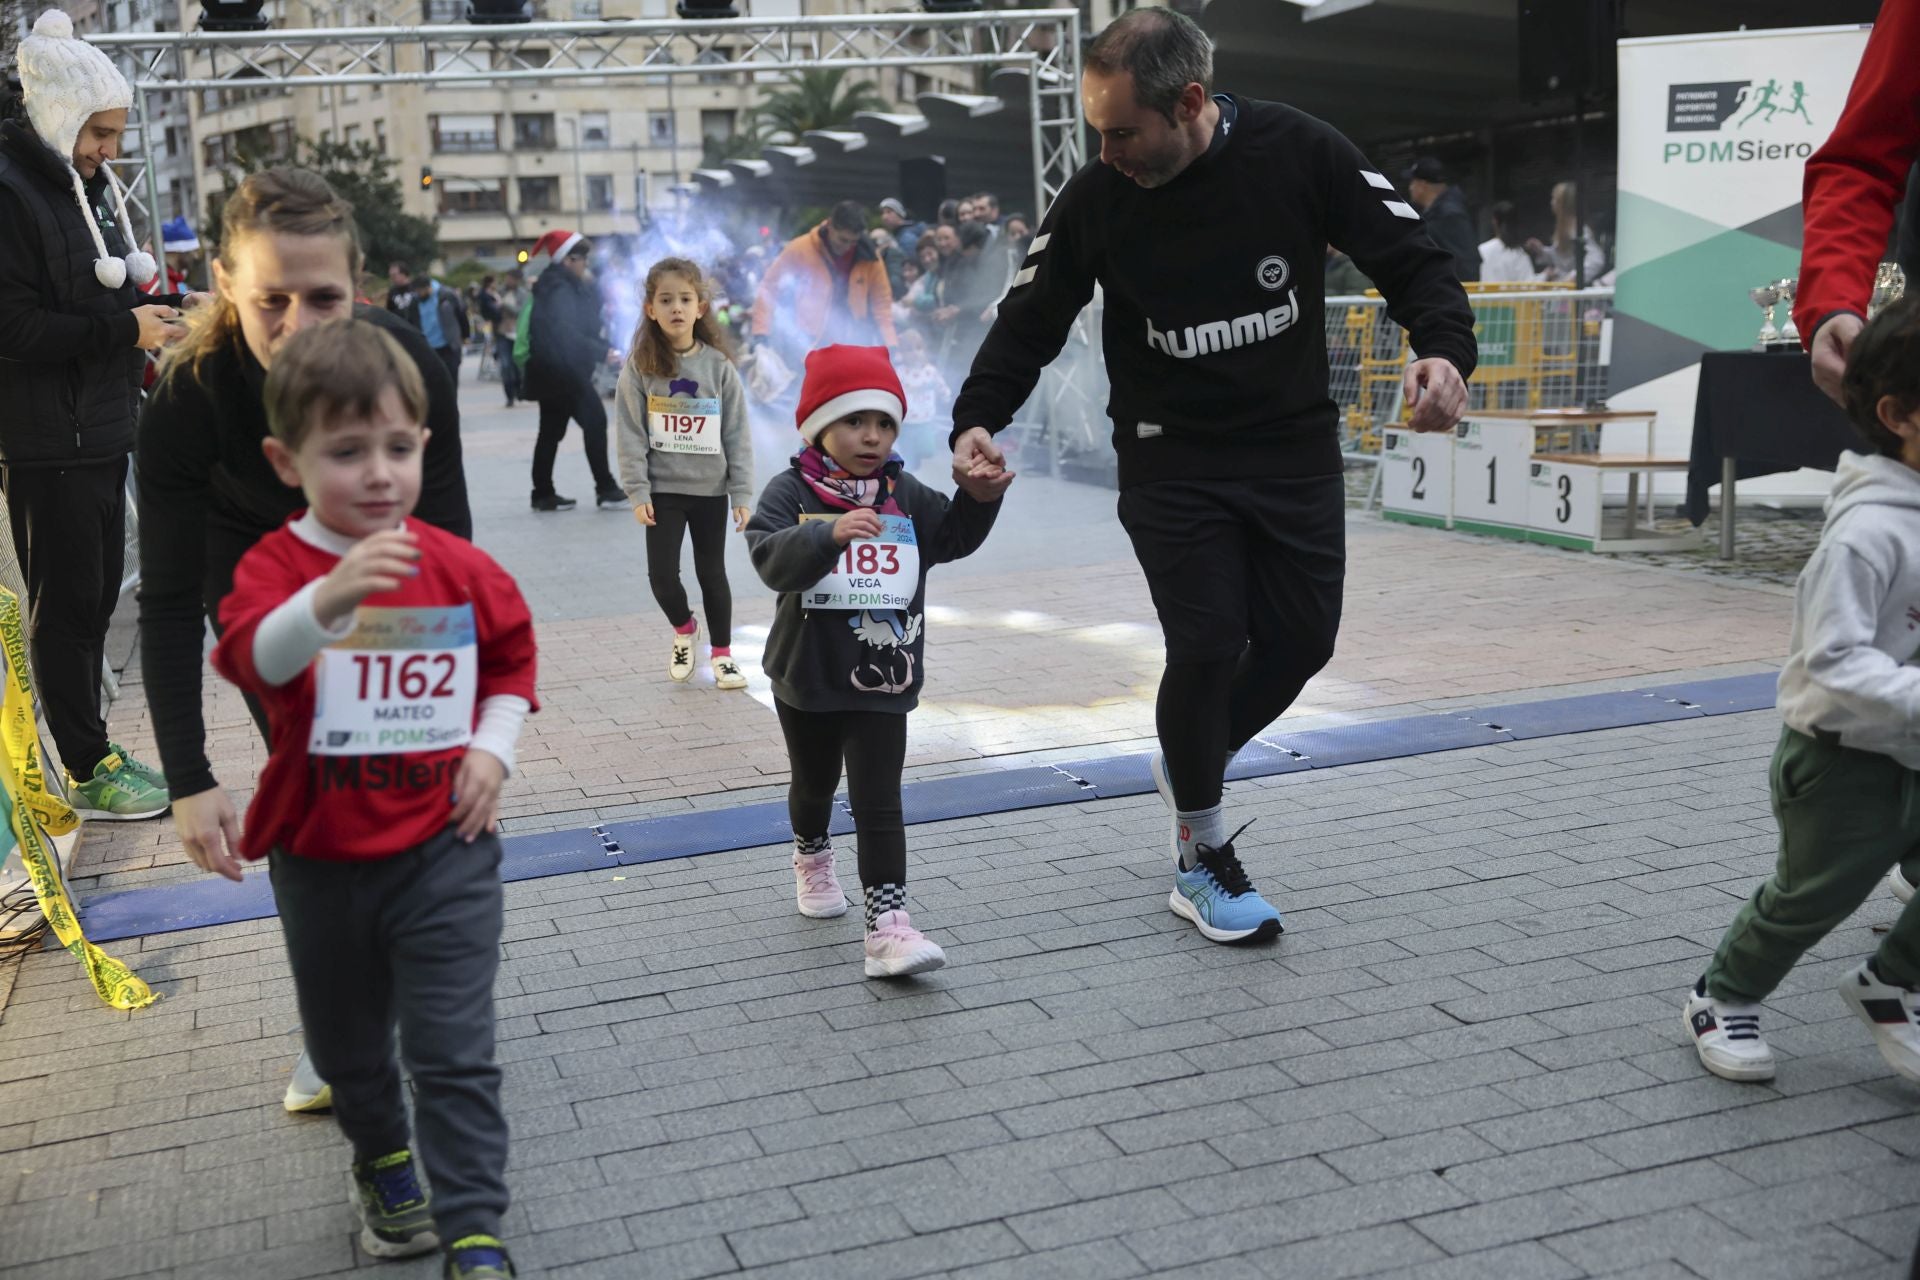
[1464,1058]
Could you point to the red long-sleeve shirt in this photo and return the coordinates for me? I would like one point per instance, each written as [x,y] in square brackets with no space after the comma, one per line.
[1859,174]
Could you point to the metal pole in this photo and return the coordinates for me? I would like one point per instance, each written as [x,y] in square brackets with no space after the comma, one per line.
[1729,474]
[1038,137]
[153,185]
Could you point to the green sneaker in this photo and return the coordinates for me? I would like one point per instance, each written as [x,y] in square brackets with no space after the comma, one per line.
[396,1220]
[477,1258]
[116,793]
[138,768]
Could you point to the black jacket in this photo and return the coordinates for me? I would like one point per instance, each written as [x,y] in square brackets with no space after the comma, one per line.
[1450,223]
[69,372]
[566,336]
[1214,333]
[207,494]
[845,659]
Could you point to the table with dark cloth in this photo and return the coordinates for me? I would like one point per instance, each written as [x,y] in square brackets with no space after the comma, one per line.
[1757,413]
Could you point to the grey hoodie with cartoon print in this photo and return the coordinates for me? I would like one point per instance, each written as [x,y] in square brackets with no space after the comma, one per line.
[1856,615]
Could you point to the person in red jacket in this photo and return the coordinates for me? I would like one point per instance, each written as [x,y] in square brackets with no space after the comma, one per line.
[1853,183]
[396,664]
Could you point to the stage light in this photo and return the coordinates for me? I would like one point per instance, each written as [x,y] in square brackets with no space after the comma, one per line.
[426,177]
[521,257]
[231,15]
[707,9]
[950,6]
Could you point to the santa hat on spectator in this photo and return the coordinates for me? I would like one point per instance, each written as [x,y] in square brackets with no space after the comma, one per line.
[842,380]
[63,81]
[558,244]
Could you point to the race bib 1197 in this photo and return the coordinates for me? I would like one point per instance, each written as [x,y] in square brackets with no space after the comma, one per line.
[683,424]
[402,683]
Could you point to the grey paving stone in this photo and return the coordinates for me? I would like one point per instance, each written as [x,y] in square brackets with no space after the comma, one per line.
[831,1234]
[1103,1258]
[1525,1261]
[1480,1227]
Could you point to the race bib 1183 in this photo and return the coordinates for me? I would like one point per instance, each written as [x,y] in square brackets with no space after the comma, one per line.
[402,683]
[683,424]
[872,573]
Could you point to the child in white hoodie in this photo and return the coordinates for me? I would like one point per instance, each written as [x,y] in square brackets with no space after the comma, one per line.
[1845,787]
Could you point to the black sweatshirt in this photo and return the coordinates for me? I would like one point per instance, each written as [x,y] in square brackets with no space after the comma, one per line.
[850,659]
[207,494]
[1214,337]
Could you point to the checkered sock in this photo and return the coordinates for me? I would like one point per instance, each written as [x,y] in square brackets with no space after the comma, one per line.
[811,846]
[883,897]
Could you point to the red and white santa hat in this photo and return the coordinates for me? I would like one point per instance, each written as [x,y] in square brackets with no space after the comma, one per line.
[558,244]
[842,380]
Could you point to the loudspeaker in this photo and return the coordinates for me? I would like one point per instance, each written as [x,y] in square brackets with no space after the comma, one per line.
[1567,48]
[923,185]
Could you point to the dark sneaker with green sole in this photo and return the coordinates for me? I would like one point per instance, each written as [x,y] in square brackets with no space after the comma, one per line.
[397,1221]
[477,1258]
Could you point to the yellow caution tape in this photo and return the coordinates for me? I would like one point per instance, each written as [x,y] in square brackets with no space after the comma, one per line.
[34,808]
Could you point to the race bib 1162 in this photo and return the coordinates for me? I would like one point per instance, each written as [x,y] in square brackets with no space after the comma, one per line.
[872,573]
[402,683]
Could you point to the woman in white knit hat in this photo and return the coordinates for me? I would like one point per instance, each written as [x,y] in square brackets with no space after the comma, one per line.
[72,330]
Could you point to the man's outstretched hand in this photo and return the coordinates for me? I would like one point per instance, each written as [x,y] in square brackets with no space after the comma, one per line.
[1832,342]
[1436,393]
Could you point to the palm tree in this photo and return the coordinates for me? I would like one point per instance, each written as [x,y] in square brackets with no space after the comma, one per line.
[817,100]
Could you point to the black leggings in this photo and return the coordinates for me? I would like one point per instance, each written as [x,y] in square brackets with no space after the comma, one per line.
[874,746]
[673,515]
[1207,711]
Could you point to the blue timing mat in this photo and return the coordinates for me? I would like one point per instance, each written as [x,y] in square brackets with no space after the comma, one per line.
[197,904]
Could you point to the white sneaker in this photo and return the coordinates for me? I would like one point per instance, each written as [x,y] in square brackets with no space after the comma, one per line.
[307,1092]
[1727,1037]
[895,948]
[816,890]
[680,661]
[727,674]
[1889,1013]
[1898,886]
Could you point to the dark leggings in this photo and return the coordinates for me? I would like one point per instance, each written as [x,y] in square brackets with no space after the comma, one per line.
[1209,710]
[673,515]
[582,405]
[874,746]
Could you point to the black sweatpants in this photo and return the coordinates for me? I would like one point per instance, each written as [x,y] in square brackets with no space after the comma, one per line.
[873,745]
[414,937]
[509,371]
[450,357]
[1247,577]
[582,406]
[69,533]
[673,515]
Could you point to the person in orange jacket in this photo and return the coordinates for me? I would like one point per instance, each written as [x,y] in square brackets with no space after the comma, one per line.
[827,286]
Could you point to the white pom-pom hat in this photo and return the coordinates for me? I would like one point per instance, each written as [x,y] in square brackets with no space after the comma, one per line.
[64,81]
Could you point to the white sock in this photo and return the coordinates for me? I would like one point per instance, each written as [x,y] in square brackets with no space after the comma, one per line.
[1203,826]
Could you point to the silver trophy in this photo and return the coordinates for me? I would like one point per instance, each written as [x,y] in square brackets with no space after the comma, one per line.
[1764,297]
[1889,283]
[1789,334]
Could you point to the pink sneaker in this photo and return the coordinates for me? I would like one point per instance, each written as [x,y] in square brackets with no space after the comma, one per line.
[895,948]
[815,888]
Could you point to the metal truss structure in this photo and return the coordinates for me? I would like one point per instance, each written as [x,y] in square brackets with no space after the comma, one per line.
[1044,43]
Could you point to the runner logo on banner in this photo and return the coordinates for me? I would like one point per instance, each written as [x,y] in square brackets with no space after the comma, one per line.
[37,814]
[872,573]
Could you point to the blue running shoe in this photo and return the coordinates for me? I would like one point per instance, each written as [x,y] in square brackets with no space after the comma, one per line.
[1219,899]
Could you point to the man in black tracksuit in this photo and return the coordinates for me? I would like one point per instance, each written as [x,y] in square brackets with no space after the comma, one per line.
[1207,224]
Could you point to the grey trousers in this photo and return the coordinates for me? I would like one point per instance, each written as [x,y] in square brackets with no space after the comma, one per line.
[414,938]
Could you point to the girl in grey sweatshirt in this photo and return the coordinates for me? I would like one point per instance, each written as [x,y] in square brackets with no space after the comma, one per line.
[686,455]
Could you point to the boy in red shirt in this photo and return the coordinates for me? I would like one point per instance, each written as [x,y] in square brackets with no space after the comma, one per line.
[396,664]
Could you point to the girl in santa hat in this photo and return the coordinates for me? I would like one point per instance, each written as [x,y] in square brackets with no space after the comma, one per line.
[846,536]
